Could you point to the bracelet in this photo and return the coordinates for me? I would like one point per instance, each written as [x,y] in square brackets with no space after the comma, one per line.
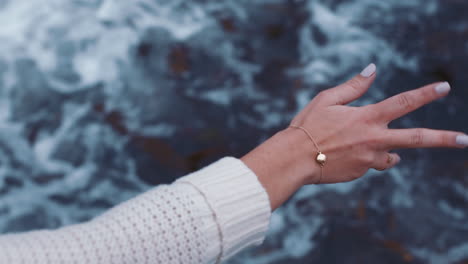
[320,158]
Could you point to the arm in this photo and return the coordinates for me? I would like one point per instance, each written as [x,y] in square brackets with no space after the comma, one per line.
[212,214]
[204,217]
[354,139]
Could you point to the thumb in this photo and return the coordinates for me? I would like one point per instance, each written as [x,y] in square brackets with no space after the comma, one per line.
[353,89]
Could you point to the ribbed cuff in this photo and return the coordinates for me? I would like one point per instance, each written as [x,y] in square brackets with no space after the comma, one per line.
[240,205]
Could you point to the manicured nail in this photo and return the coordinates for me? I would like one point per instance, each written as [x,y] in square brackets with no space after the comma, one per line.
[442,88]
[368,71]
[462,140]
[398,159]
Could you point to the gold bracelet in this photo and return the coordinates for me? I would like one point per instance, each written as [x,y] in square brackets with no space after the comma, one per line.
[320,158]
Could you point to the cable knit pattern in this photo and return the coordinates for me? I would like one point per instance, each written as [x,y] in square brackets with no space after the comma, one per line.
[204,217]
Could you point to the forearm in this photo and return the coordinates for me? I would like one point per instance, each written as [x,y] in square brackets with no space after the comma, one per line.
[144,229]
[204,217]
[282,164]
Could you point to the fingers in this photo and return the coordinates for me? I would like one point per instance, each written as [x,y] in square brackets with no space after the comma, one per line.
[386,160]
[425,138]
[352,89]
[401,104]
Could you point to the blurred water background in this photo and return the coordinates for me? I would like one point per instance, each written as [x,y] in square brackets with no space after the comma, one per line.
[100,100]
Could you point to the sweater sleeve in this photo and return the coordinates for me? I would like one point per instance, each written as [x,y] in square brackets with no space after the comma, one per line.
[204,217]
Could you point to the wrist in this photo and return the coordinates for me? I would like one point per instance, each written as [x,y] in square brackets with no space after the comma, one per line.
[299,155]
[283,164]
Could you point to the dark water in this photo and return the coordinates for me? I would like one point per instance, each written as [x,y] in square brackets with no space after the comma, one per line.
[100,100]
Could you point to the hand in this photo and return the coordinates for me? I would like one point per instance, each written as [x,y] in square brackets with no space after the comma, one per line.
[354,139]
[357,138]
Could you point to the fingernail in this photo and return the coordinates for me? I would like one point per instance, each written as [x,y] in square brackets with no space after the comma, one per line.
[462,140]
[442,88]
[398,159]
[369,70]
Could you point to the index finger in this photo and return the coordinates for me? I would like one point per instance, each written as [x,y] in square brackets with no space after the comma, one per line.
[404,103]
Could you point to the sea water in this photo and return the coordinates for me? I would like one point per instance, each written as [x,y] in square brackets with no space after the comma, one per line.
[101,100]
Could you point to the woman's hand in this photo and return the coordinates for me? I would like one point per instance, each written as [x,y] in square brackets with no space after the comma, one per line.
[354,139]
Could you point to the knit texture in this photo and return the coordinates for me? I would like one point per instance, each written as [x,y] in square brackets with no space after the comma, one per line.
[204,217]
[240,204]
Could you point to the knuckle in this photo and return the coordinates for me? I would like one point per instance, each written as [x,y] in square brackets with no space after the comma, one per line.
[404,100]
[337,96]
[417,138]
[370,113]
[373,139]
[354,84]
[372,142]
[446,139]
[367,160]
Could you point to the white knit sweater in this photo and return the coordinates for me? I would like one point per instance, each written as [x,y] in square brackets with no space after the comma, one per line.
[204,217]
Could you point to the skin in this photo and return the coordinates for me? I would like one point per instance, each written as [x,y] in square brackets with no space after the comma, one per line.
[355,139]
